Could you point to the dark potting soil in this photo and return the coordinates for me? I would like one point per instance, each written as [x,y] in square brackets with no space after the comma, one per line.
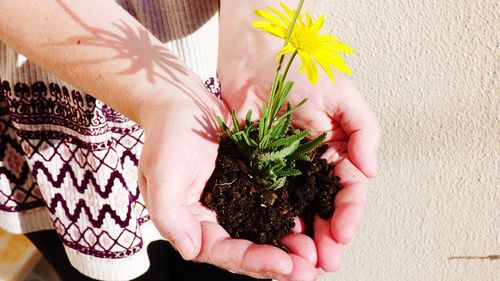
[248,210]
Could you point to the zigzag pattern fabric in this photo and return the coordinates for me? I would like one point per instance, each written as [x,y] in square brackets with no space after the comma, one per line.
[69,162]
[86,178]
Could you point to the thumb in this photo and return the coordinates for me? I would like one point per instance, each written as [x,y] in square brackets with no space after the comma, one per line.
[167,191]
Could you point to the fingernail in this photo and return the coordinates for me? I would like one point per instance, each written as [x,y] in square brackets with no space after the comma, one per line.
[186,247]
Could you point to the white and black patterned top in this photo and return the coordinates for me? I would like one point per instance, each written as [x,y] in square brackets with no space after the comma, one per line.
[69,162]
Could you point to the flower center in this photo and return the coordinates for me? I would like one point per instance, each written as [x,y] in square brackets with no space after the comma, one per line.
[305,40]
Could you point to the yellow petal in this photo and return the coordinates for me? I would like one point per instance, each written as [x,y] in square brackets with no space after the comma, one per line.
[328,38]
[332,59]
[285,50]
[343,67]
[278,32]
[309,66]
[289,11]
[318,24]
[309,22]
[269,28]
[286,20]
[260,24]
[270,17]
[339,48]
[326,67]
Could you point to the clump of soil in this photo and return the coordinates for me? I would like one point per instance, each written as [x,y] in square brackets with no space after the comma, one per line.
[248,210]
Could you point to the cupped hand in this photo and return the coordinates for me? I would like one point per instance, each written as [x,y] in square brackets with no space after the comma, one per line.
[353,137]
[178,157]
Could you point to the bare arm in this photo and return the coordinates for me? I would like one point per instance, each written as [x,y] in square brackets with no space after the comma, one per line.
[98,47]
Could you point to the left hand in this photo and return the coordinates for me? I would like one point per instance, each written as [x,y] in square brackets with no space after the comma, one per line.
[178,157]
[353,137]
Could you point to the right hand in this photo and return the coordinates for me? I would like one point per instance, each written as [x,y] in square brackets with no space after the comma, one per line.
[353,137]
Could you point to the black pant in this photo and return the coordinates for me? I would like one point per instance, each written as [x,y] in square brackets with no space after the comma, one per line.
[166,263]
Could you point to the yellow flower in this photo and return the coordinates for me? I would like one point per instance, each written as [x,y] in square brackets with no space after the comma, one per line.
[306,41]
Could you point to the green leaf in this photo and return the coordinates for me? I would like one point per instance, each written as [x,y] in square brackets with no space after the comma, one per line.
[280,154]
[280,99]
[278,184]
[291,110]
[222,124]
[236,137]
[282,126]
[250,129]
[288,140]
[275,89]
[262,123]
[277,83]
[277,165]
[284,94]
[291,172]
[250,142]
[309,146]
[301,157]
[235,121]
[248,119]
[267,169]
[275,132]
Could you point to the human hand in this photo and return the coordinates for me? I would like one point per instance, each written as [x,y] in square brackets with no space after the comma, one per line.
[178,157]
[353,136]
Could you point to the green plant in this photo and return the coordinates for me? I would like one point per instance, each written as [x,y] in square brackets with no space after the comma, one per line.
[271,146]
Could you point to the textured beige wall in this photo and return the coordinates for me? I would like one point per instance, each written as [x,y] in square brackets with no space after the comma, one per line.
[430,69]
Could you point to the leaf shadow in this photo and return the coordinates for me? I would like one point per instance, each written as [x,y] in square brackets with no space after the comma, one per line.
[135,46]
[132,44]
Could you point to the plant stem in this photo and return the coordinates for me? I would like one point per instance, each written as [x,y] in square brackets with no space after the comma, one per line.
[294,20]
[289,35]
[288,65]
[280,64]
[274,104]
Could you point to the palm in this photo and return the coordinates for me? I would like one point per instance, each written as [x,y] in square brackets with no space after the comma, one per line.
[178,157]
[340,111]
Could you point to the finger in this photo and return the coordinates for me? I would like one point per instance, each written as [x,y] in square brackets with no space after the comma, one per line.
[350,201]
[330,252]
[238,255]
[337,150]
[320,271]
[299,225]
[360,123]
[302,270]
[168,186]
[318,122]
[301,245]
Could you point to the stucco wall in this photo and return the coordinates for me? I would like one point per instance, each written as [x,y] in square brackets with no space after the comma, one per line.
[430,69]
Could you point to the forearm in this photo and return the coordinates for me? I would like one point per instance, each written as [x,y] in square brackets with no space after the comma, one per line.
[238,37]
[97,47]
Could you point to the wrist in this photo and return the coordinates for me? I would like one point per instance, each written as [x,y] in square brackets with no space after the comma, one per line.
[164,102]
[158,102]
